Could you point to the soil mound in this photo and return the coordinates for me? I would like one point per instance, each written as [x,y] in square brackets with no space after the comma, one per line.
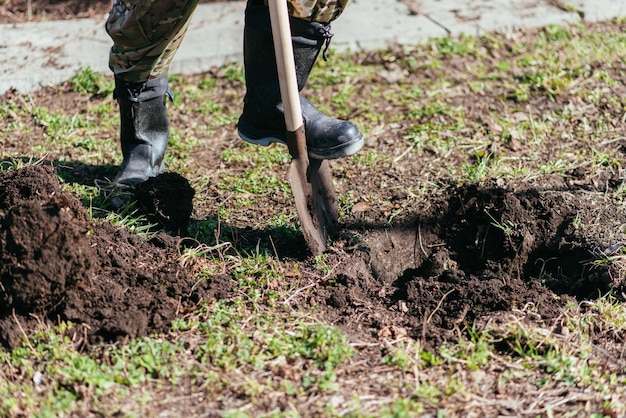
[56,264]
[475,252]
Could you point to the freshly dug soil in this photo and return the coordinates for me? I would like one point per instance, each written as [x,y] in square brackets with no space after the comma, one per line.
[56,264]
[474,252]
[167,200]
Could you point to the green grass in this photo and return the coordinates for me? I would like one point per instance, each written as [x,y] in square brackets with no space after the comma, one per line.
[86,81]
[48,377]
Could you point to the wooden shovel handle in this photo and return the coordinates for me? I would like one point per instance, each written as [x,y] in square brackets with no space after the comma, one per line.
[279,17]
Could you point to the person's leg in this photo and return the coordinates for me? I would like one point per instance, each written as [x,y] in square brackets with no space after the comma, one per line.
[262,121]
[316,10]
[146,36]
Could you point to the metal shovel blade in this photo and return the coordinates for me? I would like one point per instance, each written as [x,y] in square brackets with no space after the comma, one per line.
[315,201]
[311,184]
[325,200]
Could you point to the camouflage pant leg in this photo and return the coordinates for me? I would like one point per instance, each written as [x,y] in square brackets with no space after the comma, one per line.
[323,11]
[146,35]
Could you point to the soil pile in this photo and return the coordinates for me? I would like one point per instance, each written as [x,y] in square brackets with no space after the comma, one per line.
[56,264]
[474,252]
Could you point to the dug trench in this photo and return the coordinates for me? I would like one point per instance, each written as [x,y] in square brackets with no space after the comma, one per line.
[470,253]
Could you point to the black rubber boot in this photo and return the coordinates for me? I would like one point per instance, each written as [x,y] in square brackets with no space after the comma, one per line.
[144,128]
[262,121]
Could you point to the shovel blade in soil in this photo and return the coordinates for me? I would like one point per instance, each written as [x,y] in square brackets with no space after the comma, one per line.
[325,200]
[316,206]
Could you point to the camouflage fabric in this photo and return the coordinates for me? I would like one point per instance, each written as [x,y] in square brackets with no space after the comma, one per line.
[147,33]
[317,10]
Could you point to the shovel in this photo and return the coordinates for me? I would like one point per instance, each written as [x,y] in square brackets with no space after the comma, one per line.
[311,180]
